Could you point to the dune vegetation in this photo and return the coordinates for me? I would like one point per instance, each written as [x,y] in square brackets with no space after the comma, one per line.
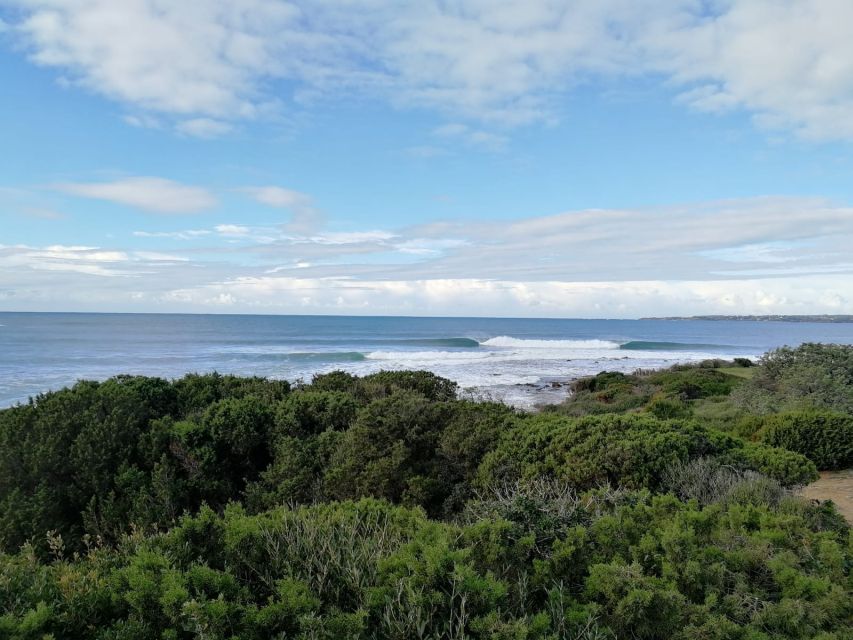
[652,505]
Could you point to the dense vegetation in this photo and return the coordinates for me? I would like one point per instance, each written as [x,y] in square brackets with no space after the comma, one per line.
[652,505]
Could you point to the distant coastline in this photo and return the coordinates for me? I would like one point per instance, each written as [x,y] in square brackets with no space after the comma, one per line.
[768,318]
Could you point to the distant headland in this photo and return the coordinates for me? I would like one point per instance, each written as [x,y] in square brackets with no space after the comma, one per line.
[767,318]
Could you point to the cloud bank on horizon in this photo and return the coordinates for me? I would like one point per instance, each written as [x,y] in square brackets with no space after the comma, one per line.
[547,158]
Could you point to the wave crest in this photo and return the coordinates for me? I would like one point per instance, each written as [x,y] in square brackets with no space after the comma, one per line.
[521,343]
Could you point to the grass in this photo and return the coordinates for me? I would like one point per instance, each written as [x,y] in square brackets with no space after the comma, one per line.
[739,372]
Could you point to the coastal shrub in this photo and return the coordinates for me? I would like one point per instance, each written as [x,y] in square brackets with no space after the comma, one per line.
[719,413]
[308,412]
[625,450]
[708,481]
[196,392]
[390,452]
[206,507]
[606,392]
[383,383]
[295,475]
[787,467]
[692,383]
[604,380]
[65,449]
[811,375]
[666,408]
[99,458]
[669,393]
[429,385]
[824,437]
[335,381]
[536,562]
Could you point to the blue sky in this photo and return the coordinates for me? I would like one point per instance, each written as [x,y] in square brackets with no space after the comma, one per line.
[578,158]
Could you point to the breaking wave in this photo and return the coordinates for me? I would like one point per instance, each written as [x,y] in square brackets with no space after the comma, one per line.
[521,343]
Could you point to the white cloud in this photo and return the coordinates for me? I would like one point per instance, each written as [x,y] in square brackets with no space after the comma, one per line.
[232,230]
[189,234]
[157,195]
[204,127]
[770,255]
[351,237]
[156,256]
[520,298]
[173,57]
[79,259]
[701,241]
[143,121]
[207,63]
[766,252]
[279,197]
[305,216]
[790,63]
[692,241]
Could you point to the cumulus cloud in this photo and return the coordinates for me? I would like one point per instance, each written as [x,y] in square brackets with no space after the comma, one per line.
[207,63]
[790,63]
[156,195]
[183,58]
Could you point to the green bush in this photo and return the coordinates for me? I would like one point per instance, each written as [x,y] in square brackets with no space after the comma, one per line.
[153,510]
[308,412]
[789,468]
[534,562]
[668,393]
[692,383]
[824,437]
[390,452]
[720,413]
[666,408]
[100,458]
[811,375]
[625,450]
[429,385]
[606,392]
[196,392]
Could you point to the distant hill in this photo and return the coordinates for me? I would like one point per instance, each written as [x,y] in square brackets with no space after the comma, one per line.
[769,318]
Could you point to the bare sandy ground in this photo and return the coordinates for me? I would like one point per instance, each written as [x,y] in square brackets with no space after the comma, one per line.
[836,486]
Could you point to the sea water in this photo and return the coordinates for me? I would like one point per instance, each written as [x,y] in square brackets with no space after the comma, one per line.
[521,361]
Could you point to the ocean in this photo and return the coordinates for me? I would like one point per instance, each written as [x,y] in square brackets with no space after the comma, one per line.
[521,361]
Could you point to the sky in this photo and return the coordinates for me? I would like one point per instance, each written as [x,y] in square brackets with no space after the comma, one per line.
[546,158]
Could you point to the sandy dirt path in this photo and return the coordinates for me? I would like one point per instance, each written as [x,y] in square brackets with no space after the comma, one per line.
[836,486]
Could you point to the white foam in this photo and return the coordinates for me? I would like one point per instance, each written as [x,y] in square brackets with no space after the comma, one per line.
[521,343]
[424,357]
